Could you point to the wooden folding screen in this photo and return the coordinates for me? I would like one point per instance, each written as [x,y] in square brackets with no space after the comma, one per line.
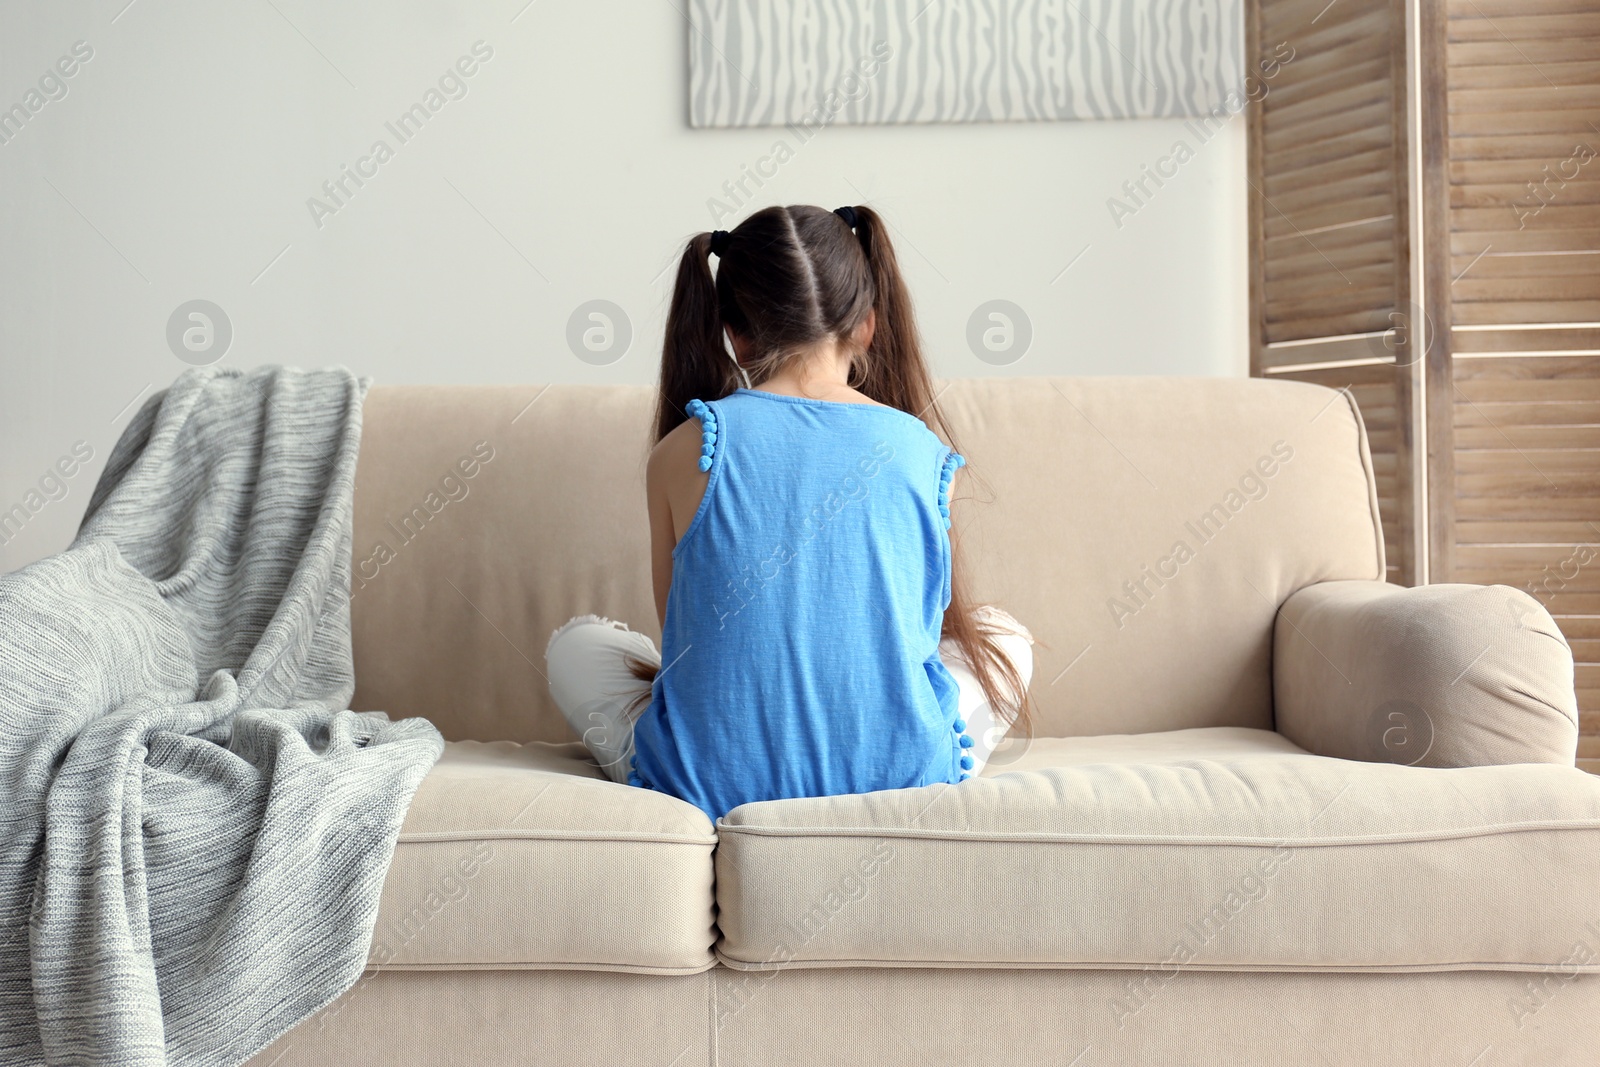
[1523,244]
[1425,229]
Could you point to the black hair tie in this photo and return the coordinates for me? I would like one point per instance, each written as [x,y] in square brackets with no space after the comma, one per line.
[848,214]
[719,242]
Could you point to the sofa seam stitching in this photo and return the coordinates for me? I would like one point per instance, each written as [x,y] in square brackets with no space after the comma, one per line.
[1132,839]
[735,964]
[552,965]
[713,1053]
[446,837]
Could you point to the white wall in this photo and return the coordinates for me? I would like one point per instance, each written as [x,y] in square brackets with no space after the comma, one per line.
[179,163]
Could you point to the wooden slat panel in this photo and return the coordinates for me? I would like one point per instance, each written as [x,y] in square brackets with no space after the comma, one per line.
[1561,215]
[1295,329]
[1491,313]
[1336,298]
[1528,389]
[1527,463]
[1556,507]
[1357,24]
[1281,222]
[1378,279]
[1571,122]
[1381,426]
[1525,566]
[1535,265]
[1528,290]
[1374,161]
[1522,461]
[1516,531]
[1540,96]
[1513,240]
[1283,19]
[1520,199]
[1502,53]
[1366,185]
[1516,76]
[1555,369]
[1569,388]
[1509,414]
[1523,97]
[1321,71]
[1559,339]
[1502,435]
[1500,8]
[1544,485]
[1287,136]
[1320,261]
[1327,244]
[1563,288]
[1277,358]
[1515,169]
[1306,79]
[1279,16]
[1317,153]
[1361,381]
[1380,442]
[1531,28]
[1326,97]
[1535,148]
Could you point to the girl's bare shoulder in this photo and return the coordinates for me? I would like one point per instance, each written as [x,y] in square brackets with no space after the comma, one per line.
[675,460]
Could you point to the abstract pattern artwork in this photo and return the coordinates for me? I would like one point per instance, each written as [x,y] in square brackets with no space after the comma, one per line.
[814,62]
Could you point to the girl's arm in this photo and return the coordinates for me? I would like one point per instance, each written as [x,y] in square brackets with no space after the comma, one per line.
[674,485]
[663,538]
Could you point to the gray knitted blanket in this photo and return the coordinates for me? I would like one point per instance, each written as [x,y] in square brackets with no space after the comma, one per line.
[193,832]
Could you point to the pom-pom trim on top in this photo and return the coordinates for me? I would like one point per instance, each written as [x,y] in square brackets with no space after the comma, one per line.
[633,772]
[697,409]
[964,741]
[952,462]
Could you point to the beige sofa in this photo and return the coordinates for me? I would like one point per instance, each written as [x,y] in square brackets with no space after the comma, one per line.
[1277,811]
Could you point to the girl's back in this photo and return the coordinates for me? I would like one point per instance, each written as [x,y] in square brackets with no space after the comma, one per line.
[800,648]
[817,637]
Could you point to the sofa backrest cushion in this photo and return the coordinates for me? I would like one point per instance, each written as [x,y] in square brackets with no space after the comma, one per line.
[1145,529]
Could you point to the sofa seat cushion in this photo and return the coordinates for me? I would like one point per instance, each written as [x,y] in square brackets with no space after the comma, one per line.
[527,856]
[1247,853]
[1213,742]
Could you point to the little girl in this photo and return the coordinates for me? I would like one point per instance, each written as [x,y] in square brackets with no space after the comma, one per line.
[816,638]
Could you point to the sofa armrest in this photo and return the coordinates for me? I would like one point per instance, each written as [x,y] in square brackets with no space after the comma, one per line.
[1434,676]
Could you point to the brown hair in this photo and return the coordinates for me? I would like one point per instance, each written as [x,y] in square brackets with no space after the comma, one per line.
[790,278]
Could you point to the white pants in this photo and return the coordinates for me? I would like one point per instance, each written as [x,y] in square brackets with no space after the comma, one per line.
[591,683]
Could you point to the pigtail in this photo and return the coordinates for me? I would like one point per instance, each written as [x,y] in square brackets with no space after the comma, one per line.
[694,364]
[896,373]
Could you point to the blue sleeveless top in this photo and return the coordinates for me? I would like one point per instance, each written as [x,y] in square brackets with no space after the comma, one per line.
[800,650]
